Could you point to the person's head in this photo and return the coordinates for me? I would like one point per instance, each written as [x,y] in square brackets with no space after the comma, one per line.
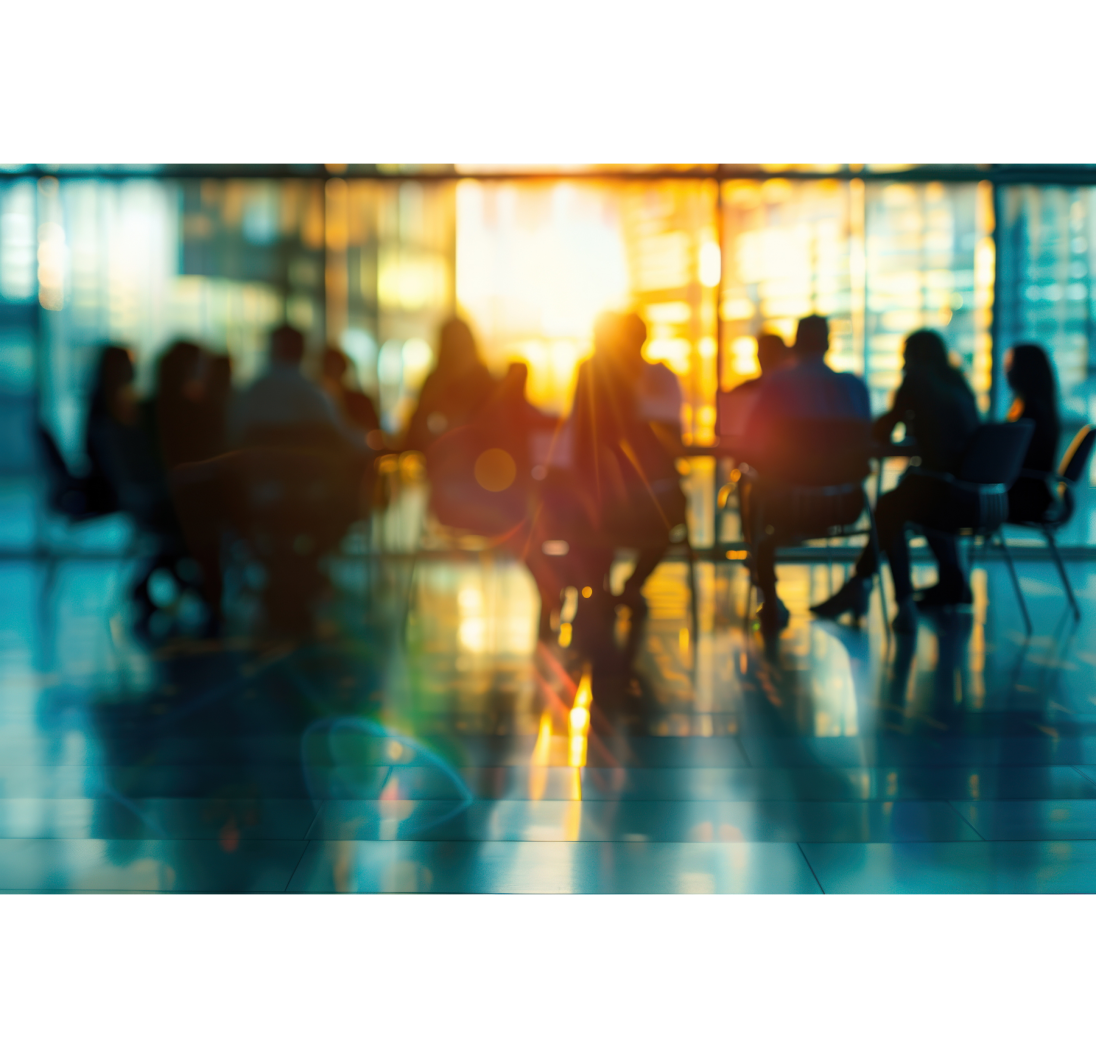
[771,352]
[334,364]
[517,375]
[286,346]
[633,335]
[115,370]
[457,350]
[179,373]
[812,337]
[113,381]
[926,354]
[1030,375]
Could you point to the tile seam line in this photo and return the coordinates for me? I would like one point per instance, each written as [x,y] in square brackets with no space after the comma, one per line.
[1077,769]
[810,867]
[951,805]
[296,867]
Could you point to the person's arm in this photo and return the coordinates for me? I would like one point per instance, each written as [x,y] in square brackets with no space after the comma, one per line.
[884,426]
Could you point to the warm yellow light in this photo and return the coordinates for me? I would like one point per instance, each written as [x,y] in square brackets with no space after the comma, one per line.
[711,264]
[578,722]
[668,312]
[542,751]
[565,634]
[587,592]
[584,696]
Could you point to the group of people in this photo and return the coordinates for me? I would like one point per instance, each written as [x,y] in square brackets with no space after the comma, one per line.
[563,494]
[139,450]
[808,426]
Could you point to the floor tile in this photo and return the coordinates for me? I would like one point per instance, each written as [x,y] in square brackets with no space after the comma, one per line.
[956,867]
[712,784]
[656,821]
[127,865]
[227,821]
[1031,820]
[551,867]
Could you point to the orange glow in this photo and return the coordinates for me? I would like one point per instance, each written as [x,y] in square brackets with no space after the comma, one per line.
[495,470]
[542,756]
[578,722]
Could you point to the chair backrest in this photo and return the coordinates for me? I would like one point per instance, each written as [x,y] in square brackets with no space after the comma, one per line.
[995,454]
[735,407]
[817,452]
[1077,455]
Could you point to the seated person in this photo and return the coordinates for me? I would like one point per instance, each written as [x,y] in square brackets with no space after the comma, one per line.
[793,441]
[454,393]
[939,410]
[122,449]
[1031,377]
[283,400]
[189,407]
[120,446]
[357,407]
[735,405]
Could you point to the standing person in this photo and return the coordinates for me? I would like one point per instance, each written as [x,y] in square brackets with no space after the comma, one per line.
[1030,376]
[795,438]
[939,410]
[622,488]
[454,393]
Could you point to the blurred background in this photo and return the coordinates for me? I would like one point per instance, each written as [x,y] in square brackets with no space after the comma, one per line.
[373,258]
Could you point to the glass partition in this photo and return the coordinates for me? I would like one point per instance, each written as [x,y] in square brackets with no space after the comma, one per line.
[376,263]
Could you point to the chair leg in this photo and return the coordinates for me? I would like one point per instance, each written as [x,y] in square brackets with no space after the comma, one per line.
[693,604]
[1062,573]
[874,534]
[1015,579]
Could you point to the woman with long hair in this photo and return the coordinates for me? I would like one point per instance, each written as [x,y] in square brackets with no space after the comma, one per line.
[1030,376]
[454,392]
[939,411]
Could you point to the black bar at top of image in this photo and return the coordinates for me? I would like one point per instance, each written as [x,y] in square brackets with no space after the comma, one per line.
[963,173]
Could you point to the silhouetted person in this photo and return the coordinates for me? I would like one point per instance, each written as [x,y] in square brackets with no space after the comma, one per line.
[181,418]
[123,447]
[108,430]
[283,400]
[356,406]
[120,446]
[622,489]
[939,410]
[736,405]
[1030,376]
[216,401]
[454,392]
[795,433]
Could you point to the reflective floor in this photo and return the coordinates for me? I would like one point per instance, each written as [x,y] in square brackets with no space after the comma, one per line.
[423,742]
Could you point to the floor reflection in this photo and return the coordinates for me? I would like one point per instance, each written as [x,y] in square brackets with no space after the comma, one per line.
[423,740]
